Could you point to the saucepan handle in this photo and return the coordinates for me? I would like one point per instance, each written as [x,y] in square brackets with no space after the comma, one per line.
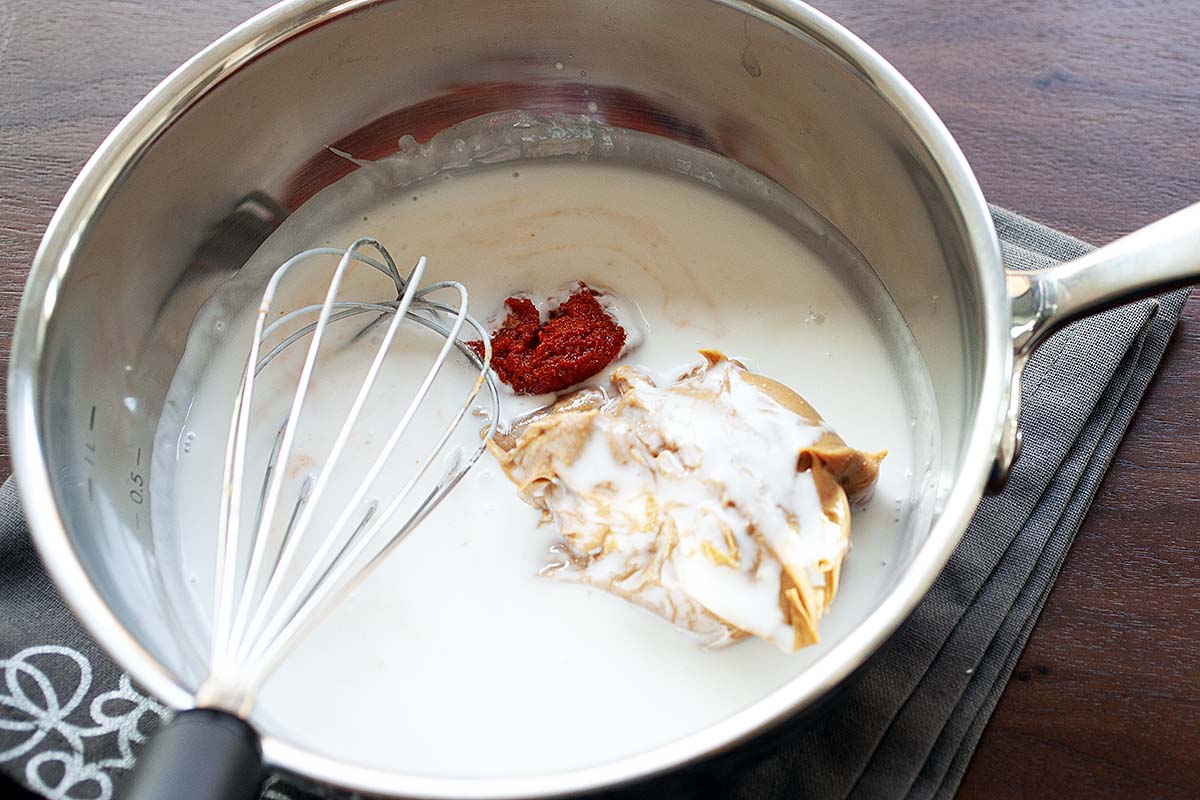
[202,754]
[1161,256]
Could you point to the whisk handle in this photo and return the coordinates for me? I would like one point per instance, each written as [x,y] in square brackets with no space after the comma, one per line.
[202,754]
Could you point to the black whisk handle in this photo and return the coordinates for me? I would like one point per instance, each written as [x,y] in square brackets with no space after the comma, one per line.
[202,754]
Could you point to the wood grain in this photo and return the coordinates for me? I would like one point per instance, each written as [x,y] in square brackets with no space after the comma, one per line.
[1080,113]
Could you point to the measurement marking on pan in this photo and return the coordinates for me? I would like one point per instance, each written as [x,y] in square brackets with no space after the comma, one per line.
[137,522]
[137,483]
[92,420]
[91,491]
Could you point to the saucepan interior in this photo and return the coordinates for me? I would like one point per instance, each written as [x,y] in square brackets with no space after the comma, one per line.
[201,173]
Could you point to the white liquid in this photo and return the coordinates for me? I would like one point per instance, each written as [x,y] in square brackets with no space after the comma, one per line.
[454,658]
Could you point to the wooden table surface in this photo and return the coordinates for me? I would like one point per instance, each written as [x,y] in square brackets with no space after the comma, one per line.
[1081,113]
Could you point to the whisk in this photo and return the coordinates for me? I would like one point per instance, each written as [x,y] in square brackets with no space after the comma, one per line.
[262,610]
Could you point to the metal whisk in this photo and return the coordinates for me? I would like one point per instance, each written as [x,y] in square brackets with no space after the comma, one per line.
[261,610]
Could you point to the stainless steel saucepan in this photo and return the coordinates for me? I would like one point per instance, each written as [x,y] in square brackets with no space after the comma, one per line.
[232,142]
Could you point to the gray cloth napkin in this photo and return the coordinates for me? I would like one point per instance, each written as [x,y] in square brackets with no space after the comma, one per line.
[905,726]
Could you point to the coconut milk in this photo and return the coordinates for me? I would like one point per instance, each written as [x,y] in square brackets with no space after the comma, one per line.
[454,658]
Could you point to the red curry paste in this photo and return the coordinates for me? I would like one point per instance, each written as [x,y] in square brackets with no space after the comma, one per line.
[578,340]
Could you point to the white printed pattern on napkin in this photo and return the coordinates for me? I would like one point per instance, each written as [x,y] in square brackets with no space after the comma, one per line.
[33,711]
[37,714]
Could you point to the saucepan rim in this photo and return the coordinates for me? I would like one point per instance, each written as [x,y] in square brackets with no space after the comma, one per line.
[171,98]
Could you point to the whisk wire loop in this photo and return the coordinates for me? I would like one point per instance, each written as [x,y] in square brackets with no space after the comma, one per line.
[288,552]
[260,613]
[301,587]
[262,537]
